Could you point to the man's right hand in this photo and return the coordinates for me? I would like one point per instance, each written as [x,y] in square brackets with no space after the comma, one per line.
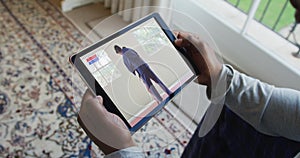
[202,55]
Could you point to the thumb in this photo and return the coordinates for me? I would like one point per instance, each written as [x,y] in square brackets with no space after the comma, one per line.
[100,99]
[178,42]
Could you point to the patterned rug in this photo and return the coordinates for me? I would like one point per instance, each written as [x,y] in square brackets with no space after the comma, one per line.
[37,90]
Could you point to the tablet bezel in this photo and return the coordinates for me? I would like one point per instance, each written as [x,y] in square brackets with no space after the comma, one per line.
[98,90]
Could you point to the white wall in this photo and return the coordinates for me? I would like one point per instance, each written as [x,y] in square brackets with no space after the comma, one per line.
[67,5]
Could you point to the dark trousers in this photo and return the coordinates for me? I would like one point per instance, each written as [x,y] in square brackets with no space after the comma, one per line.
[146,74]
[231,137]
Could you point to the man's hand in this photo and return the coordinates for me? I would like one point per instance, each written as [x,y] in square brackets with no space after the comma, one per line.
[202,55]
[105,129]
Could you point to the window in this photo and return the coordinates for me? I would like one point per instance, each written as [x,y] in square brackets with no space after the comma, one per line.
[150,38]
[105,71]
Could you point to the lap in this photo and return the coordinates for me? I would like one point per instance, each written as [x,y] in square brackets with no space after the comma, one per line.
[233,137]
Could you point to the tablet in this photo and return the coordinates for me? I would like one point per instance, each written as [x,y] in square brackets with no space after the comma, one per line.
[136,70]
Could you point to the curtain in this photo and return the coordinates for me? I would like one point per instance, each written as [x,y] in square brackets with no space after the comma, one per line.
[123,7]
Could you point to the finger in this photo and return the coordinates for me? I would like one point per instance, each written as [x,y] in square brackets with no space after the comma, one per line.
[176,33]
[87,95]
[178,42]
[92,106]
[186,39]
[184,35]
[183,43]
[193,38]
[90,102]
[183,39]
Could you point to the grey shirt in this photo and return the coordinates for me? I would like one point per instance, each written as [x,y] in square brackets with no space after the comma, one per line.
[131,59]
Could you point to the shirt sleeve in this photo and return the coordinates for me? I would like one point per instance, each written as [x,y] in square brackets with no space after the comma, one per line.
[130,152]
[270,110]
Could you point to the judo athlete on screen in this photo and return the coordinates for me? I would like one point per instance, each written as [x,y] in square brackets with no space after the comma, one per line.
[136,65]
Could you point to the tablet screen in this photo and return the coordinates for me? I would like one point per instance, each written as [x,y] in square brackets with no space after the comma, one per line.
[140,70]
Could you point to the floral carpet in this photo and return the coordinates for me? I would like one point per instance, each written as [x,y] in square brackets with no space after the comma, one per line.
[38,91]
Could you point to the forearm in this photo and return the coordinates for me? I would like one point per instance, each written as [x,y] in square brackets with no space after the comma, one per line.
[273,111]
[282,115]
[248,98]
